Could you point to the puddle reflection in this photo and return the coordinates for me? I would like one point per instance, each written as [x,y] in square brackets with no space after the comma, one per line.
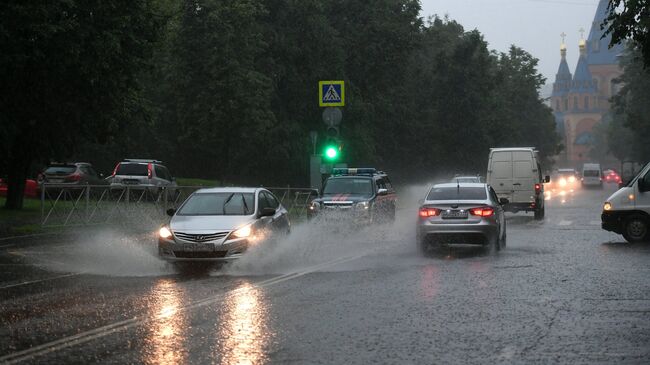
[243,333]
[165,337]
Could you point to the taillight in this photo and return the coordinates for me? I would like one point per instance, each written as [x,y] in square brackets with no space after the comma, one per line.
[429,212]
[538,188]
[149,168]
[482,211]
[74,177]
[115,170]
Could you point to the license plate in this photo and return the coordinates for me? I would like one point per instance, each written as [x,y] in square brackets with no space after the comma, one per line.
[130,182]
[198,247]
[454,214]
[56,181]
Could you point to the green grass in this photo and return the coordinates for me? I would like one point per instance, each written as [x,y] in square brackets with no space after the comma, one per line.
[186,181]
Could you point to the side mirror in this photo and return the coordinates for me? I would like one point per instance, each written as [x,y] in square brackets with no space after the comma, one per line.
[382,191]
[101,176]
[504,201]
[266,212]
[171,212]
[547,179]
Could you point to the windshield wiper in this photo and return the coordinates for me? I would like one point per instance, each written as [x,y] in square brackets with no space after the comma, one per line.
[245,205]
[226,203]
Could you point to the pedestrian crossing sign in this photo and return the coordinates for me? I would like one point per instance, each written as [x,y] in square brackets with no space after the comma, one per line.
[331,93]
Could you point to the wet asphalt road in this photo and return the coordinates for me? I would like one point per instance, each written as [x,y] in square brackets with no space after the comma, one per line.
[563,291]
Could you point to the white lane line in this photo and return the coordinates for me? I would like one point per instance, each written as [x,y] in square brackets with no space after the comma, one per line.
[38,281]
[119,326]
[564,223]
[28,235]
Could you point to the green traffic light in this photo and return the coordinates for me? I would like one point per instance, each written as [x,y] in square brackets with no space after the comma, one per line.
[331,152]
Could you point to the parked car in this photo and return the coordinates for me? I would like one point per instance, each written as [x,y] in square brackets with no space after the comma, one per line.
[515,174]
[220,224]
[73,173]
[32,190]
[141,174]
[592,175]
[461,213]
[627,211]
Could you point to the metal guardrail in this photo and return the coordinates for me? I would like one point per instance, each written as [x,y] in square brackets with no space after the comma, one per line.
[63,205]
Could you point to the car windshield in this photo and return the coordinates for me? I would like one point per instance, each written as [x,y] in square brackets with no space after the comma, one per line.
[219,204]
[132,169]
[457,193]
[591,173]
[352,186]
[60,170]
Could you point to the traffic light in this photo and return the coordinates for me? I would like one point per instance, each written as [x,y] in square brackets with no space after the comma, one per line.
[332,150]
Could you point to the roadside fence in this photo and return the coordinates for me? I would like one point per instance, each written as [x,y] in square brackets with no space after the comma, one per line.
[66,205]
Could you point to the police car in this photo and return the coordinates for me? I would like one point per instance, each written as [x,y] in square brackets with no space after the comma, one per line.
[363,194]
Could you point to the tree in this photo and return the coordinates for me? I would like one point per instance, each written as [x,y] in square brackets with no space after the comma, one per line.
[629,19]
[69,73]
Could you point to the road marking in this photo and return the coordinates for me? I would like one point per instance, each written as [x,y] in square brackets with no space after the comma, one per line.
[119,326]
[564,223]
[38,281]
[28,235]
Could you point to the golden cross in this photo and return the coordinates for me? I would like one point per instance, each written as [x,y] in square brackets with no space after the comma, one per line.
[563,35]
[582,33]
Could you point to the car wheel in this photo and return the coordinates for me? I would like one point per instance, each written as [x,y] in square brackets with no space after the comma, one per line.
[504,241]
[539,213]
[635,229]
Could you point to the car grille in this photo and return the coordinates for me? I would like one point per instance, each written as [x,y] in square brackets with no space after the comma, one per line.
[341,206]
[206,237]
[200,255]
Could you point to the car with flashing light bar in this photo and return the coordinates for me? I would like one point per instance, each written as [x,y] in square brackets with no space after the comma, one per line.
[142,174]
[221,224]
[461,214]
[364,194]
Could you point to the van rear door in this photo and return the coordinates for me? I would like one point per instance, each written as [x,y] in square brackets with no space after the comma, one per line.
[500,173]
[524,173]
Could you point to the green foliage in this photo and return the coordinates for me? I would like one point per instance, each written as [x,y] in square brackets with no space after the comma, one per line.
[227,90]
[629,20]
[630,131]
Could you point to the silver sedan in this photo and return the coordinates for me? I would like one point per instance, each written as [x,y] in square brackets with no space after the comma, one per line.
[220,224]
[461,213]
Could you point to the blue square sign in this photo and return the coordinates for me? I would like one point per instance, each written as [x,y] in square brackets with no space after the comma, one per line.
[331,93]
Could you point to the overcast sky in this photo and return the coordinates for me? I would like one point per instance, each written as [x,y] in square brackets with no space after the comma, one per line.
[534,25]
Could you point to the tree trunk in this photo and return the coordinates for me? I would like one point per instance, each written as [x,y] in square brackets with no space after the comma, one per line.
[18,169]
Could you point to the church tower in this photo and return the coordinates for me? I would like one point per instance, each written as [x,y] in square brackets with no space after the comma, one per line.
[584,100]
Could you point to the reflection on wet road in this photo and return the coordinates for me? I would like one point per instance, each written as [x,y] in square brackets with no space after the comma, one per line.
[167,335]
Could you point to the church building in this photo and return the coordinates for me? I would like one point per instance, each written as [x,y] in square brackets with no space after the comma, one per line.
[582,100]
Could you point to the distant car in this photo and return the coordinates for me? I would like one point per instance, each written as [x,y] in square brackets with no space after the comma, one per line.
[359,195]
[32,190]
[566,179]
[220,224]
[467,179]
[141,174]
[611,176]
[461,213]
[70,174]
[592,175]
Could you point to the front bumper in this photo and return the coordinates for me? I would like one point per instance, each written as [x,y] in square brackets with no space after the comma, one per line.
[482,233]
[174,250]
[341,215]
[612,221]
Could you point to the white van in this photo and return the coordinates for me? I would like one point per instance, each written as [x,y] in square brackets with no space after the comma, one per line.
[592,175]
[627,211]
[515,174]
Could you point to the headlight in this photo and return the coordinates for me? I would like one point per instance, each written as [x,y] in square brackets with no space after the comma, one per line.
[164,232]
[572,179]
[562,182]
[362,205]
[243,232]
[314,206]
[607,206]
